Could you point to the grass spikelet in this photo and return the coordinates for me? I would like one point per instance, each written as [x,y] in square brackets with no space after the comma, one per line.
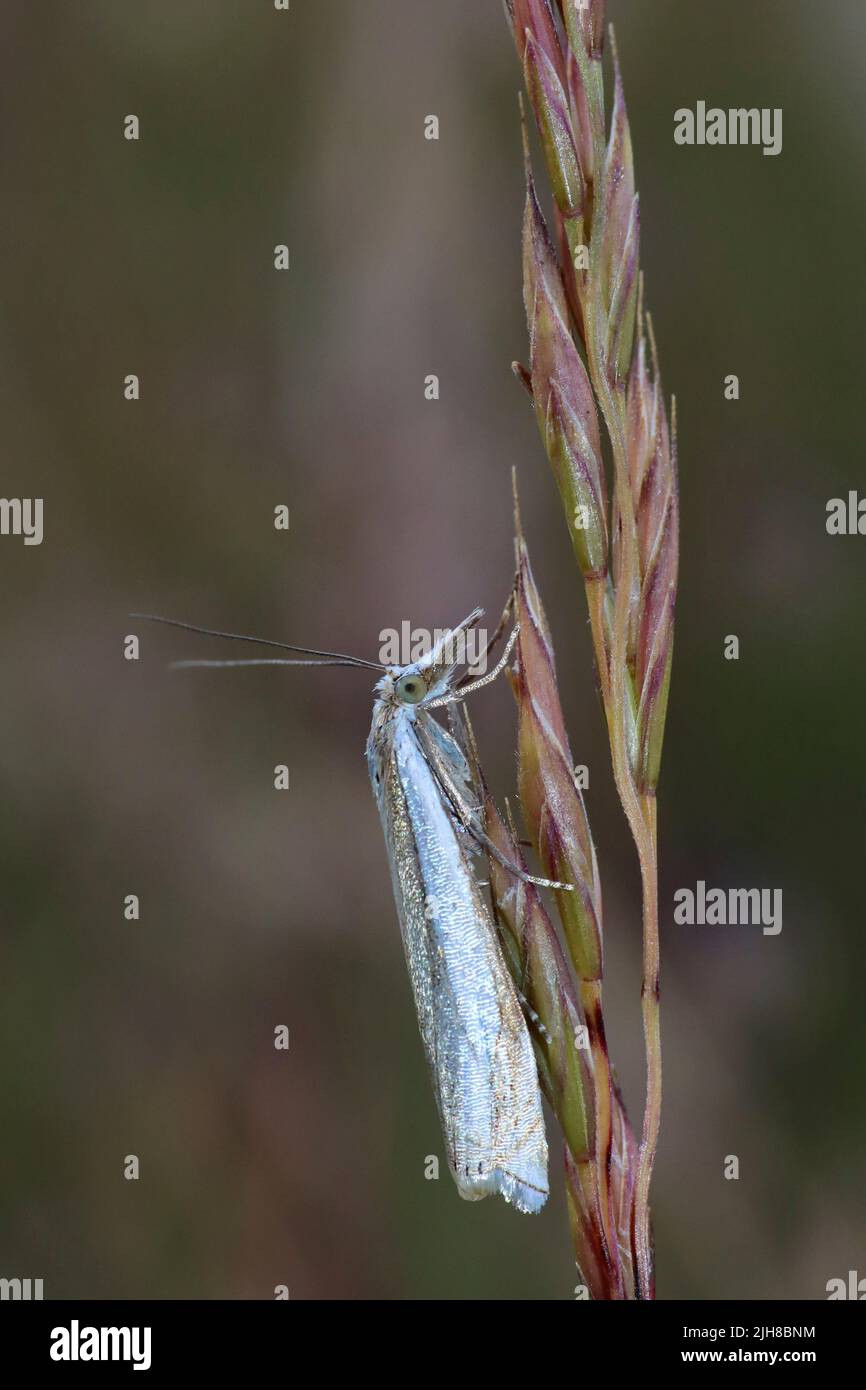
[593,364]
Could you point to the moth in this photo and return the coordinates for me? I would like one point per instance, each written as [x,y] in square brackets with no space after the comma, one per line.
[472,1024]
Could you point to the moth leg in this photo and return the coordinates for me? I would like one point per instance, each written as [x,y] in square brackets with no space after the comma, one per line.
[463,690]
[503,623]
[448,745]
[486,843]
[468,815]
[532,1015]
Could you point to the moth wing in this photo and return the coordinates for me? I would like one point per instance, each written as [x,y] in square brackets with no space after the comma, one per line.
[475,1037]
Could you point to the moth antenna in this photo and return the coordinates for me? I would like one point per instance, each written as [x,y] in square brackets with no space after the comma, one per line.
[332,658]
[258,661]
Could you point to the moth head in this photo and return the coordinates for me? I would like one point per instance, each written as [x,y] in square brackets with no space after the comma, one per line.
[433,674]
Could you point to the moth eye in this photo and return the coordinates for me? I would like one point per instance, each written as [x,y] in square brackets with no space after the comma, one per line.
[411,689]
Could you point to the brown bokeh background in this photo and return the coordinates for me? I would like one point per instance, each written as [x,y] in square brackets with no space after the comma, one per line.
[306,388]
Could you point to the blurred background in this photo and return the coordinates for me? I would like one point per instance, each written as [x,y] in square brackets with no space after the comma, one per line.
[306,388]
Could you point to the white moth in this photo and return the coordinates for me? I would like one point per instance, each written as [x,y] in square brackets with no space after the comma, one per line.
[472,1025]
